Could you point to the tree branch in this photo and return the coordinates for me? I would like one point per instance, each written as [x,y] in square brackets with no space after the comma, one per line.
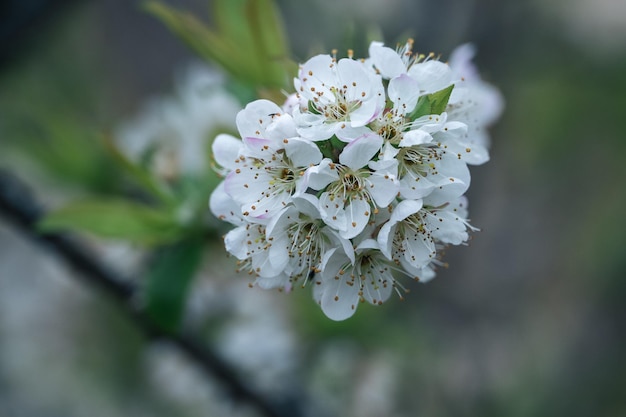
[20,207]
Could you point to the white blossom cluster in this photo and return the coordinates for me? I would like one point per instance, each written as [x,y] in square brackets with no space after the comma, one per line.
[359,177]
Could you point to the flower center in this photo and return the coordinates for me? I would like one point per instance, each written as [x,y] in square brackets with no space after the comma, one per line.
[417,160]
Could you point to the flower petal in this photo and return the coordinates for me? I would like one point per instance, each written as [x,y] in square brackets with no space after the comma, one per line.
[403,92]
[360,151]
[226,150]
[386,60]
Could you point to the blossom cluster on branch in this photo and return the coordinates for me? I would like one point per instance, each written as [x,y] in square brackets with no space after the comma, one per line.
[359,177]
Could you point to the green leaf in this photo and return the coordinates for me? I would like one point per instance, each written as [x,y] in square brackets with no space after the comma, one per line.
[138,174]
[168,280]
[434,103]
[248,42]
[114,218]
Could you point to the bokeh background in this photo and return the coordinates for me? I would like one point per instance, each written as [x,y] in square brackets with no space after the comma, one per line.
[527,320]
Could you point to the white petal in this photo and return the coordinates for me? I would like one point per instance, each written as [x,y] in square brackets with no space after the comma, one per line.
[226,150]
[224,207]
[234,241]
[282,126]
[403,92]
[383,188]
[352,74]
[331,211]
[357,215]
[256,117]
[319,176]
[317,75]
[364,114]
[377,286]
[267,283]
[347,133]
[360,151]
[432,76]
[386,60]
[340,297]
[415,137]
[404,209]
[302,152]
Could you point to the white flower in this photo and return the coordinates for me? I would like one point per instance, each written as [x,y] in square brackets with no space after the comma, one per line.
[473,102]
[415,230]
[430,74]
[299,236]
[172,134]
[353,191]
[345,282]
[250,245]
[343,97]
[271,162]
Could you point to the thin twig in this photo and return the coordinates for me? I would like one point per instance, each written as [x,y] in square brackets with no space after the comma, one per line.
[18,206]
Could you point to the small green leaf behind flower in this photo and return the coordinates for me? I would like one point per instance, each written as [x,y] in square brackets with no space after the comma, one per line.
[434,103]
[248,40]
[115,219]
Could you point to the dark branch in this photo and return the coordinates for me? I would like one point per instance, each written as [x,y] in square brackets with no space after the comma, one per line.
[19,207]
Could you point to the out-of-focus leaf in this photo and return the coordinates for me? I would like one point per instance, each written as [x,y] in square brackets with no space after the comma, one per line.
[434,103]
[139,174]
[114,218]
[168,280]
[249,40]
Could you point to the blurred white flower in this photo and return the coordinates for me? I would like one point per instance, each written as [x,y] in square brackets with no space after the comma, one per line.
[172,134]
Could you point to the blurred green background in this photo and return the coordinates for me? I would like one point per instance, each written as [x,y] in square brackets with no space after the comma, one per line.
[527,320]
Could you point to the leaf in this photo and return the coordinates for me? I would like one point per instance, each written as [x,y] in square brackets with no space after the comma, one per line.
[168,281]
[114,218]
[434,103]
[138,173]
[249,41]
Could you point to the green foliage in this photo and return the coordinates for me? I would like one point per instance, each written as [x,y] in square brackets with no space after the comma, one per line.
[115,218]
[434,103]
[248,40]
[168,280]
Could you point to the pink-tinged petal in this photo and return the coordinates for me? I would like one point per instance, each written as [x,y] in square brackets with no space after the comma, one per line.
[364,114]
[347,133]
[360,151]
[302,152]
[404,92]
[415,137]
[461,62]
[256,117]
[386,60]
[258,147]
[226,150]
[357,215]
